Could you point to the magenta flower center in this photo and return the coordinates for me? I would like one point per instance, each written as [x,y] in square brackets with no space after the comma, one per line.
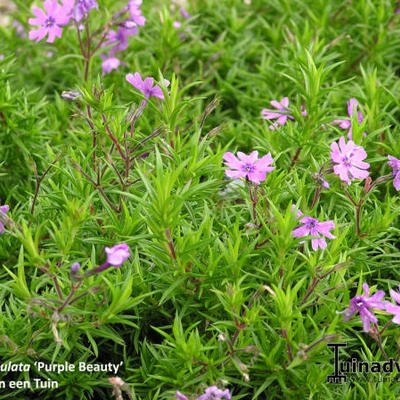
[359,302]
[49,22]
[248,168]
[346,161]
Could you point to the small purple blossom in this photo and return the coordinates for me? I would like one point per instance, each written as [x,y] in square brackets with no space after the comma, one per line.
[185,14]
[395,164]
[4,209]
[120,38]
[50,24]
[352,106]
[363,304]
[117,254]
[312,227]
[19,29]
[136,13]
[75,267]
[146,86]
[281,115]
[348,158]
[82,8]
[211,393]
[109,64]
[394,308]
[248,166]
[177,24]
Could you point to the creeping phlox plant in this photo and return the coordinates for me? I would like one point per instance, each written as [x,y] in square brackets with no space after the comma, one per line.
[206,244]
[50,21]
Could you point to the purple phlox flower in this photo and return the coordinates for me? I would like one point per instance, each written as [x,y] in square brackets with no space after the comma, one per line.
[352,106]
[348,159]
[185,14]
[319,178]
[248,166]
[136,13]
[321,181]
[117,254]
[213,393]
[394,308]
[177,24]
[120,38]
[281,115]
[75,267]
[146,86]
[83,7]
[19,29]
[364,304]
[1,57]
[317,230]
[51,21]
[395,164]
[109,64]
[4,209]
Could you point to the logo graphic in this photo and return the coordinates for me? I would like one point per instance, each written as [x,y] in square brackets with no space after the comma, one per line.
[350,369]
[336,377]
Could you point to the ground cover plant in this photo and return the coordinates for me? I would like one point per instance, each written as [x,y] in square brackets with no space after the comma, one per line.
[197,197]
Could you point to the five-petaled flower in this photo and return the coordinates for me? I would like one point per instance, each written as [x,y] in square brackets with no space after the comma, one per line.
[50,24]
[317,230]
[4,209]
[395,164]
[348,159]
[117,254]
[352,106]
[363,304]
[248,166]
[146,85]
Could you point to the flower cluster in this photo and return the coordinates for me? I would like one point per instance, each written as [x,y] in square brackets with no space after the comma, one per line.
[365,304]
[118,40]
[211,393]
[82,8]
[281,114]
[352,106]
[51,20]
[135,12]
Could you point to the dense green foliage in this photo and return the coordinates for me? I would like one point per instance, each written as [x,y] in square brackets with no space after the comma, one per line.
[207,296]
